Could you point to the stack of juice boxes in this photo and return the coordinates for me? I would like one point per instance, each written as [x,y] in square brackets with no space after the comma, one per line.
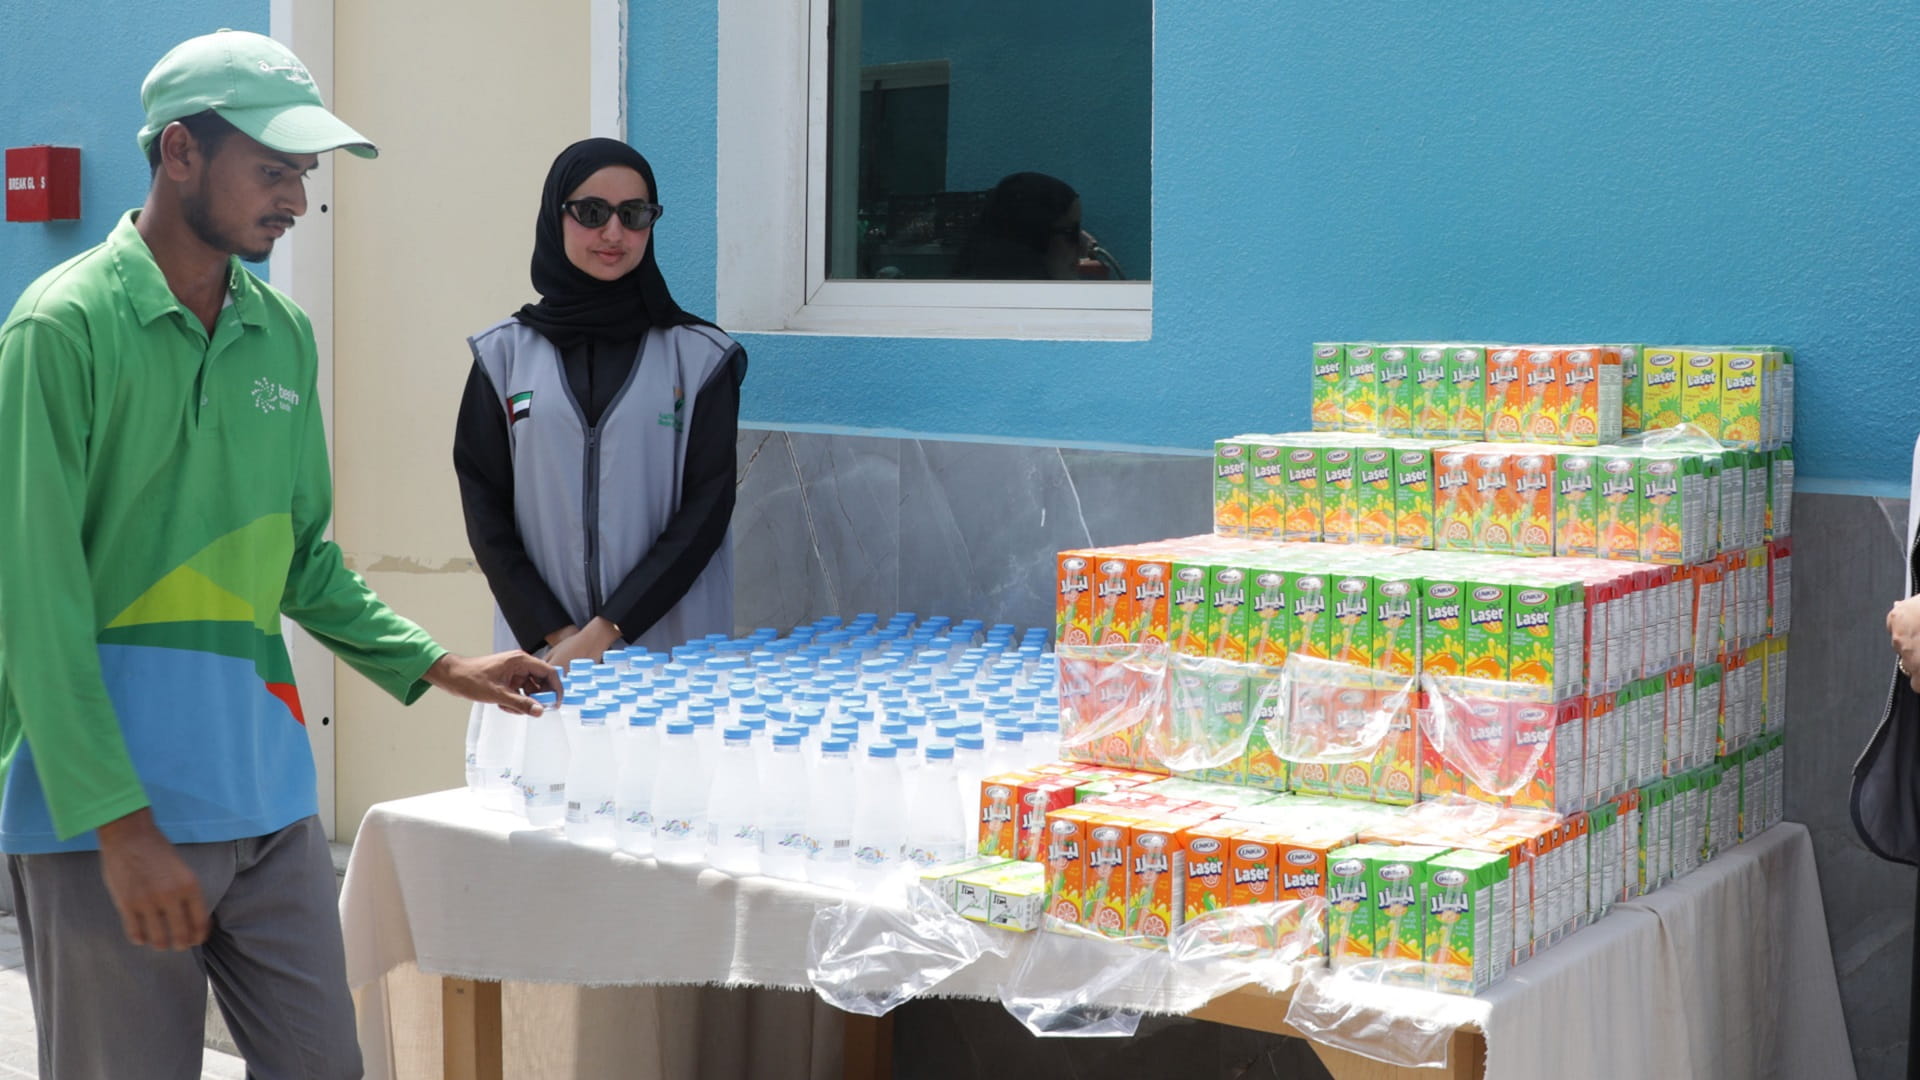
[1579,395]
[1326,486]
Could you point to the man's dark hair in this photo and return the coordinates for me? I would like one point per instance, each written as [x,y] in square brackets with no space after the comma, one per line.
[209,129]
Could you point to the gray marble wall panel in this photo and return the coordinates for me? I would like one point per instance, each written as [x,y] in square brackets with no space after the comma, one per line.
[834,525]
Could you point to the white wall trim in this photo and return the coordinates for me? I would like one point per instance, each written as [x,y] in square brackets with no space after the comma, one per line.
[607,74]
[302,267]
[773,151]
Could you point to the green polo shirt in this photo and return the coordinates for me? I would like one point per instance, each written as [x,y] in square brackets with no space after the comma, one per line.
[163,499]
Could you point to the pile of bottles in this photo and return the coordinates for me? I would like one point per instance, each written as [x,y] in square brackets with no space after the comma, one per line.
[837,754]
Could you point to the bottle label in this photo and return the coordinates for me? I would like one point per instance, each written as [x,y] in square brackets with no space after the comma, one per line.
[676,828]
[639,818]
[790,843]
[869,855]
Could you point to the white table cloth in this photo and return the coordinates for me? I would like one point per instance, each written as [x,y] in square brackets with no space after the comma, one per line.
[1725,973]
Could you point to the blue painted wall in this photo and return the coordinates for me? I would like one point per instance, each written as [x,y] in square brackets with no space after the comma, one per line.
[1671,172]
[1062,88]
[70,75]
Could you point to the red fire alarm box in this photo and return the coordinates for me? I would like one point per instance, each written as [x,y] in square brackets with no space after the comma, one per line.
[43,183]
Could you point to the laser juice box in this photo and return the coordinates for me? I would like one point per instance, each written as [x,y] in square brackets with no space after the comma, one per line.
[1374,496]
[1230,487]
[1266,490]
[1742,399]
[1360,389]
[1302,495]
[1413,496]
[1700,390]
[1661,393]
[1329,375]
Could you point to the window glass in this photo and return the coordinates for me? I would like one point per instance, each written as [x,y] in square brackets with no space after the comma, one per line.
[996,140]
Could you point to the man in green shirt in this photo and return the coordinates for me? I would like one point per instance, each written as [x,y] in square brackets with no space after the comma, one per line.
[164,494]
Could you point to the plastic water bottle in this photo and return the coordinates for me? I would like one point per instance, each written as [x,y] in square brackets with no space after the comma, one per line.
[970,767]
[907,752]
[935,832]
[1006,754]
[679,799]
[590,778]
[783,810]
[637,757]
[830,798]
[541,775]
[502,737]
[879,827]
[733,840]
[476,724]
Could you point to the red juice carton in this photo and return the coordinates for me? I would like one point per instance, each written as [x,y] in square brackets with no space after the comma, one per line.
[1329,364]
[1073,620]
[1434,410]
[1302,495]
[1360,389]
[1467,374]
[1456,502]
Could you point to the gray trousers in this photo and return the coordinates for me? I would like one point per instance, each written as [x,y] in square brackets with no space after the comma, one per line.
[105,1009]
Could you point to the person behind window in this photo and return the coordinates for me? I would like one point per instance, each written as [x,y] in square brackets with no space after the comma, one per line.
[1028,230]
[595,441]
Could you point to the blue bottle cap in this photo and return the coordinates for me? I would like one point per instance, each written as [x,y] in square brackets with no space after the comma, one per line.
[1007,734]
[646,718]
[835,746]
[892,728]
[940,752]
[738,734]
[787,738]
[545,699]
[594,714]
[906,742]
[881,750]
[970,742]
[679,727]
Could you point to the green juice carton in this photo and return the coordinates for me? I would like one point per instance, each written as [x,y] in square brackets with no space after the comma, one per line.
[1468,896]
[1397,389]
[1632,416]
[1350,938]
[1189,617]
[1400,877]
[1488,615]
[1339,500]
[1413,525]
[1434,408]
[1360,389]
[1661,398]
[1310,607]
[1374,495]
[1619,506]
[1302,495]
[1269,622]
[1758,479]
[1227,596]
[1329,378]
[1467,373]
[1230,487]
[1266,490]
[1700,389]
[1712,476]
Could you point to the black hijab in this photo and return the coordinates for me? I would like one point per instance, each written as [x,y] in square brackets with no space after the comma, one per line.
[1009,241]
[575,306]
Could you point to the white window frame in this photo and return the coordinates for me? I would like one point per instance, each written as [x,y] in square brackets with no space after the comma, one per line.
[773,150]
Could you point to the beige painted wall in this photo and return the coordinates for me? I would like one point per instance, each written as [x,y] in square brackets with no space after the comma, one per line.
[469,103]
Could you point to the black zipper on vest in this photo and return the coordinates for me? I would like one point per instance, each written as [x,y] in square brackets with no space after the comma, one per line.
[592,515]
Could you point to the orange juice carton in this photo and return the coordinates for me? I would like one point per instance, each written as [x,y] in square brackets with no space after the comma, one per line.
[1619,505]
[1360,389]
[1352,596]
[1487,616]
[1036,798]
[1576,507]
[1310,604]
[1530,483]
[1397,389]
[1467,374]
[1302,493]
[1147,578]
[1393,773]
[943,880]
[1507,406]
[1329,373]
[1266,489]
[1700,389]
[1104,877]
[1227,600]
[1189,617]
[1780,494]
[1661,389]
[1339,499]
[1399,883]
[1492,500]
[1230,506]
[1153,889]
[1465,901]
[1112,601]
[1300,861]
[1632,413]
[1203,856]
[1068,841]
[1012,895]
[1590,384]
[1350,908]
[1073,598]
[1742,399]
[1374,495]
[1413,497]
[1544,411]
[1433,393]
[1456,502]
[1000,814]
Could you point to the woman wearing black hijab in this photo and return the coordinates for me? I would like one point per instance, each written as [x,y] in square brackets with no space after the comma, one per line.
[1029,230]
[595,443]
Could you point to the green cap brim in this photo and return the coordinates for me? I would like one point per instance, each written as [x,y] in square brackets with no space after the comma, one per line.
[299,129]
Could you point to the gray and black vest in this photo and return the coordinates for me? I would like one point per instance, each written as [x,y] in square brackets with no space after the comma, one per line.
[590,503]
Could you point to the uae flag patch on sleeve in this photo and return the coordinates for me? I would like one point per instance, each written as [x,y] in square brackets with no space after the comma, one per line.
[518,406]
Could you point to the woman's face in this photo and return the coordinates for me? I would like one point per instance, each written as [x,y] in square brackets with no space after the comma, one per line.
[611,251]
[1063,245]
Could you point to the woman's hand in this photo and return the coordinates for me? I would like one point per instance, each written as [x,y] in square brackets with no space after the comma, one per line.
[1903,625]
[590,643]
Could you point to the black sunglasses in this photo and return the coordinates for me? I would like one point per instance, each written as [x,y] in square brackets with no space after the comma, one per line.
[635,214]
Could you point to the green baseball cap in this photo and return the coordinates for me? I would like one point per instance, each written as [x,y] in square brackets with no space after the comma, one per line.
[254,83]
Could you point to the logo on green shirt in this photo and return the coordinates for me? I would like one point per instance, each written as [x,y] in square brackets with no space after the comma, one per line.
[271,397]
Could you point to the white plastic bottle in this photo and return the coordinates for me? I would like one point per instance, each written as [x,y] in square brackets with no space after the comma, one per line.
[476,724]
[935,833]
[679,800]
[637,757]
[830,797]
[591,775]
[1005,753]
[970,767]
[733,842]
[541,775]
[783,809]
[502,736]
[879,818]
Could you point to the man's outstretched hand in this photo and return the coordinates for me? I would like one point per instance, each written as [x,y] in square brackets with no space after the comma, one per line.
[505,679]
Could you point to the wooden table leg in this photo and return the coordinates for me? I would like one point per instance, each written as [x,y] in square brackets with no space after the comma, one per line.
[470,1029]
[869,1047]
